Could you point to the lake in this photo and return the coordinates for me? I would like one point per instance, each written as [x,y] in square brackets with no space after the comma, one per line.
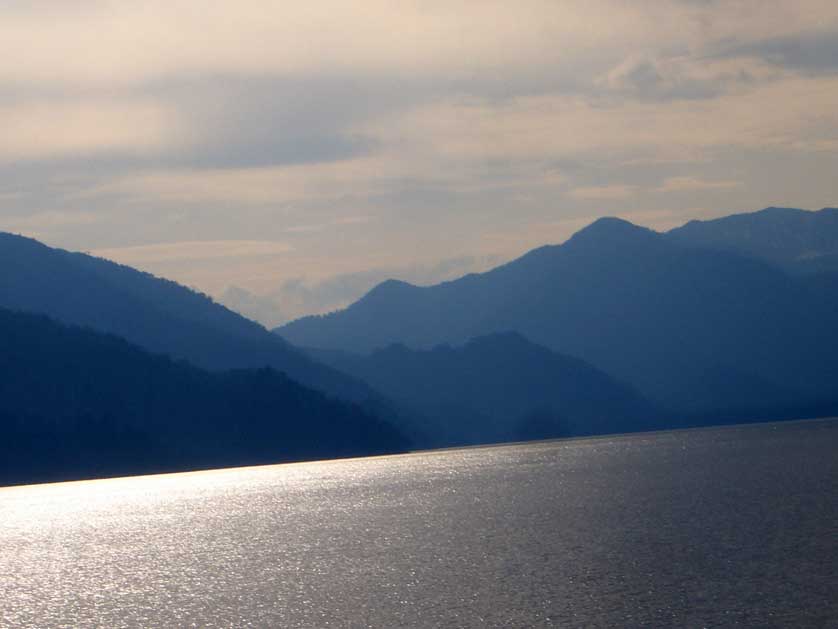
[713,527]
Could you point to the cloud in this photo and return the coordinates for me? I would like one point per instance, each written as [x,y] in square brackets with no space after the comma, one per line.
[681,184]
[815,51]
[256,185]
[49,219]
[335,223]
[44,129]
[98,42]
[118,43]
[555,126]
[298,296]
[192,251]
[457,128]
[665,77]
[601,193]
[313,297]
[264,309]
[655,79]
[10,195]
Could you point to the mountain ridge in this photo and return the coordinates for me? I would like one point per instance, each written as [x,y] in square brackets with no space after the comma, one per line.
[157,314]
[799,241]
[483,390]
[76,403]
[636,304]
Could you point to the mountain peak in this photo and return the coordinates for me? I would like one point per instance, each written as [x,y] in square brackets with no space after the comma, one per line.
[611,231]
[387,290]
[393,284]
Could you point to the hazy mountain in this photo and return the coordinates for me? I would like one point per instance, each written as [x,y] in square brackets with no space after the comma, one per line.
[692,328]
[156,314]
[491,388]
[76,403]
[796,240]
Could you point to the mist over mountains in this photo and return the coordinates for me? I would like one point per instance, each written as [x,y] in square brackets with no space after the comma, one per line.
[619,329]
[493,387]
[696,324]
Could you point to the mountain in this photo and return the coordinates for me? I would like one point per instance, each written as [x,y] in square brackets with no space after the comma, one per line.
[75,403]
[154,313]
[694,329]
[492,388]
[796,240]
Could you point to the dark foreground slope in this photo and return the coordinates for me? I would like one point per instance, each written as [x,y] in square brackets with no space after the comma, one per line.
[497,388]
[156,314]
[77,404]
[695,329]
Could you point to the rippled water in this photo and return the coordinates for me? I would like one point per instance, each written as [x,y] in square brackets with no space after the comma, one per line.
[695,528]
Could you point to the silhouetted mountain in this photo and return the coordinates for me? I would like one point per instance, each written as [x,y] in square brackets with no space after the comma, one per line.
[156,314]
[796,240]
[489,389]
[693,329]
[76,403]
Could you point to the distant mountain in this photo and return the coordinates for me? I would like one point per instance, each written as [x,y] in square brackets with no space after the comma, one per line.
[76,404]
[695,329]
[797,240]
[156,314]
[493,387]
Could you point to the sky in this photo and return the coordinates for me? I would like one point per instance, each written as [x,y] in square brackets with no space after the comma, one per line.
[285,157]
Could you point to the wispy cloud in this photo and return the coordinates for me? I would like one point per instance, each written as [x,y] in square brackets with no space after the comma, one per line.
[103,42]
[603,193]
[192,251]
[812,51]
[48,220]
[300,296]
[681,184]
[462,128]
[335,223]
[44,129]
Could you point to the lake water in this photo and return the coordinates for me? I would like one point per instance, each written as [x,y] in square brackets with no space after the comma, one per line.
[718,527]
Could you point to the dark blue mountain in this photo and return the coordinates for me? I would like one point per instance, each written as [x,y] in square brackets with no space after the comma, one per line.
[75,403]
[491,388]
[154,313]
[796,240]
[695,329]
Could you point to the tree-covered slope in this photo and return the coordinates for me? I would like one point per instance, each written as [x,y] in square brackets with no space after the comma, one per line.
[75,403]
[156,314]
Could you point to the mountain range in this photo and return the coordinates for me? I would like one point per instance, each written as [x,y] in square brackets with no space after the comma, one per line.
[694,321]
[491,388]
[108,370]
[795,240]
[75,403]
[156,314]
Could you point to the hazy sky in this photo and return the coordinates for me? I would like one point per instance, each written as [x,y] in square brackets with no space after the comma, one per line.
[288,155]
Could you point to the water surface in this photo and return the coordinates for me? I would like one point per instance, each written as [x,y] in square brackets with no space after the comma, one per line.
[719,527]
